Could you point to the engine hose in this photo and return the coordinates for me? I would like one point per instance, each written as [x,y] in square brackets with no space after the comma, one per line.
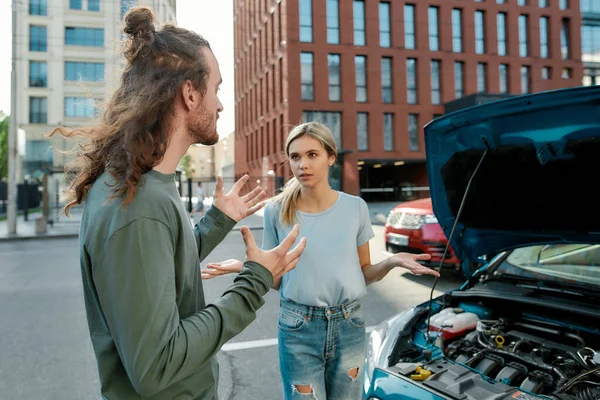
[540,365]
[588,394]
[573,381]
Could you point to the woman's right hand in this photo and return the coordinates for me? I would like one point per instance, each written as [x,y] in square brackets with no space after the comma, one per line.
[221,268]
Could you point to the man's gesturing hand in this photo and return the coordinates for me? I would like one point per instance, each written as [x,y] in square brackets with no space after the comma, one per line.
[279,260]
[235,206]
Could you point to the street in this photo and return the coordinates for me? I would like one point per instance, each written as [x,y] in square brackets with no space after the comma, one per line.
[44,342]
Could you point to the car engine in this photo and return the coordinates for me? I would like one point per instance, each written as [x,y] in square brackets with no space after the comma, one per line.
[470,358]
[507,353]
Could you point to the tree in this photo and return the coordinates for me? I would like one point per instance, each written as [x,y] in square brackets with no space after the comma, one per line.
[3,146]
[186,165]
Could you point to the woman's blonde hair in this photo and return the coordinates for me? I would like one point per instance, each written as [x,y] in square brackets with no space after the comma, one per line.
[291,191]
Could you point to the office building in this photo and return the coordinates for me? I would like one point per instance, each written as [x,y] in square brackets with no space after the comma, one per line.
[377,71]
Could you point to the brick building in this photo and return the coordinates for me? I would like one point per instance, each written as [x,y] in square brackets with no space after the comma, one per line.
[377,71]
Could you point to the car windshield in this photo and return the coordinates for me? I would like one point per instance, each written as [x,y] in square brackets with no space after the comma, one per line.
[570,263]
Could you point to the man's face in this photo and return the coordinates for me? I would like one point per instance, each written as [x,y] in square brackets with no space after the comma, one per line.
[203,122]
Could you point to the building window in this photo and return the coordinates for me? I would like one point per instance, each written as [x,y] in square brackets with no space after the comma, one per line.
[564,4]
[525,80]
[38,38]
[503,72]
[434,29]
[38,7]
[501,22]
[38,110]
[386,80]
[413,132]
[459,72]
[436,86]
[359,23]
[362,131]
[126,5]
[360,63]
[567,73]
[544,33]
[411,81]
[479,32]
[481,77]
[333,22]
[388,132]
[38,74]
[306,29]
[457,45]
[564,40]
[522,2]
[523,46]
[84,71]
[93,5]
[546,73]
[38,156]
[335,88]
[75,4]
[90,37]
[385,28]
[543,3]
[79,107]
[590,43]
[591,77]
[409,27]
[307,78]
[500,1]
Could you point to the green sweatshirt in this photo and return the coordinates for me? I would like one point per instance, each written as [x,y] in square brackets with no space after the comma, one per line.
[153,334]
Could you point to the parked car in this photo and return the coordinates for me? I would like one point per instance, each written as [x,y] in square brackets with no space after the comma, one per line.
[526,325]
[412,227]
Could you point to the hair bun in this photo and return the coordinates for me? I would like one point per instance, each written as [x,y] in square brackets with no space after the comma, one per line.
[139,21]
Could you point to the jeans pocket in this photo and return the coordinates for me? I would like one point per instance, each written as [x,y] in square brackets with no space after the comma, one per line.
[357,319]
[290,321]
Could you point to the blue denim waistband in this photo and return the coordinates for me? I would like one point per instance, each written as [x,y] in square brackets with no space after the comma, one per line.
[340,311]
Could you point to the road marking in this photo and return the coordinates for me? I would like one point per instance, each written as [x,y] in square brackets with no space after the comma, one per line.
[255,344]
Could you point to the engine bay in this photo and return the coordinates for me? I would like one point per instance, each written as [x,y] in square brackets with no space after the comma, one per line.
[473,351]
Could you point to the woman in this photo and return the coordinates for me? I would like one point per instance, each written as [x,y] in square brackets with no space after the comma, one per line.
[321,322]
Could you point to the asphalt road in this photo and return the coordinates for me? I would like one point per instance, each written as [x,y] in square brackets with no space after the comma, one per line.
[45,351]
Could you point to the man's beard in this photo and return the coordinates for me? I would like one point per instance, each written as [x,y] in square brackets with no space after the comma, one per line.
[204,131]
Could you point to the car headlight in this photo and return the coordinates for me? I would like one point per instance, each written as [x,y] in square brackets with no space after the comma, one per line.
[406,220]
[430,219]
[382,341]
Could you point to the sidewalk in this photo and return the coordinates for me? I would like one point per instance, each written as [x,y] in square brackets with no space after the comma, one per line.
[63,227]
[69,227]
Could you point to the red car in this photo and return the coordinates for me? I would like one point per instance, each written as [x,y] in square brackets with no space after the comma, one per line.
[412,227]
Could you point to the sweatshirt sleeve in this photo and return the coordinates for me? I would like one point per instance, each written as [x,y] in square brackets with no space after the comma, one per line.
[135,283]
[211,230]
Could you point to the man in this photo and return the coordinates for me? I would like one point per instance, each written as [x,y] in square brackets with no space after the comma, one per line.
[153,335]
[200,203]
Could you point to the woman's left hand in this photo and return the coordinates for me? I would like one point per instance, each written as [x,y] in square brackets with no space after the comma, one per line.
[222,268]
[410,262]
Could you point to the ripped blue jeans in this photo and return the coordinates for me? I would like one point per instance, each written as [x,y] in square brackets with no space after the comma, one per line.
[321,351]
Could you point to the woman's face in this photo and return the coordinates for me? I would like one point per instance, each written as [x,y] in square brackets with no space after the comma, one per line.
[309,161]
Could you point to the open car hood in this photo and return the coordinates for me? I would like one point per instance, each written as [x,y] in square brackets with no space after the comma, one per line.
[536,183]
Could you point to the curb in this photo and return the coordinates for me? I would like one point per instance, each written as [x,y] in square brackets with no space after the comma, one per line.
[18,238]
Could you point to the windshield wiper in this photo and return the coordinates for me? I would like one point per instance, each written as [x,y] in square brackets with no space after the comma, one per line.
[543,285]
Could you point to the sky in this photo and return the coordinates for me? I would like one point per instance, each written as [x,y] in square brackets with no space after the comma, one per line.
[212,19]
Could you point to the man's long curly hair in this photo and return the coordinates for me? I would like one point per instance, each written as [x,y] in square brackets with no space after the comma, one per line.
[133,133]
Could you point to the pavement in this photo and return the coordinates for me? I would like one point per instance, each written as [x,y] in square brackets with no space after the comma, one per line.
[64,227]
